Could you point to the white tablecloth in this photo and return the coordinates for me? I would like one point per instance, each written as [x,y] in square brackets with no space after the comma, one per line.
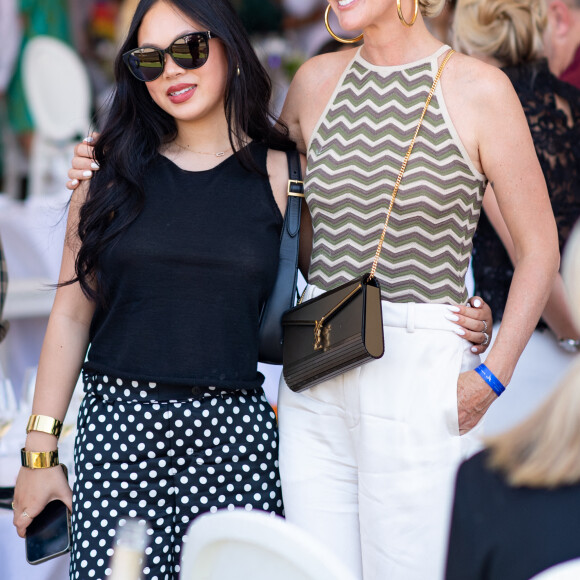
[13,557]
[32,236]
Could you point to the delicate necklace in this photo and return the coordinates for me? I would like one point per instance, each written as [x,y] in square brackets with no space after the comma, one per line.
[218,154]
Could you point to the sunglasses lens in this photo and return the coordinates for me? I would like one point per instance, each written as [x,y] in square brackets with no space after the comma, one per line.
[190,51]
[145,63]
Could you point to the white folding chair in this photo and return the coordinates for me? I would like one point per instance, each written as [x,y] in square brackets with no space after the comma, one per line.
[253,545]
[569,570]
[58,94]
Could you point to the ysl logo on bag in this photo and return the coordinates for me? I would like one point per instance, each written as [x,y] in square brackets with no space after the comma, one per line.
[321,335]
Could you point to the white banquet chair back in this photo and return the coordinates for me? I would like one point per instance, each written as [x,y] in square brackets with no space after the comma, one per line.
[58,95]
[253,545]
[565,571]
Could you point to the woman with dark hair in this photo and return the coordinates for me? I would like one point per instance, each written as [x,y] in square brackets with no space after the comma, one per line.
[170,254]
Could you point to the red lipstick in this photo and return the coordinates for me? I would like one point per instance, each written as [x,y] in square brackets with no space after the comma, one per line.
[181,93]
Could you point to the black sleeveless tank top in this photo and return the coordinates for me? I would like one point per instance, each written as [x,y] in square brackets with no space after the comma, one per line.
[187,280]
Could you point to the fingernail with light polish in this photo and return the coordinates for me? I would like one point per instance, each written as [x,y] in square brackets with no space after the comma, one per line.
[88,139]
[74,182]
[454,308]
[477,303]
[474,349]
[87,173]
[95,165]
[452,317]
[459,331]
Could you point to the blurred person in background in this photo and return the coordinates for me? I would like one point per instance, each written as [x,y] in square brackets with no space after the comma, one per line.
[562,40]
[304,25]
[517,502]
[4,324]
[10,35]
[508,34]
[126,12]
[49,17]
[260,16]
[441,26]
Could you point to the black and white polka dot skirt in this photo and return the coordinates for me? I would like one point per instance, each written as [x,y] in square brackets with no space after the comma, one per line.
[143,451]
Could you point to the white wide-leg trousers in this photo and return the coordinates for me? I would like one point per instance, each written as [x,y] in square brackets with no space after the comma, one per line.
[368,459]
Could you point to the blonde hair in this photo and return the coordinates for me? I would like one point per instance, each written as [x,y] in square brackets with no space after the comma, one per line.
[508,30]
[544,450]
[431,8]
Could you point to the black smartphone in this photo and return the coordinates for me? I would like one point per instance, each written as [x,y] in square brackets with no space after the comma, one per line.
[49,534]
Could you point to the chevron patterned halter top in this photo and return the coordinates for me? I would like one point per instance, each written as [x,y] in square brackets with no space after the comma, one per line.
[354,158]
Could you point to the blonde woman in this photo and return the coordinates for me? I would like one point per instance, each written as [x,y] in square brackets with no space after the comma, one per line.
[368,459]
[508,34]
[517,503]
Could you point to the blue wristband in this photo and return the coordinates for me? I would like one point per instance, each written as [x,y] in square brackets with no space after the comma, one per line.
[490,379]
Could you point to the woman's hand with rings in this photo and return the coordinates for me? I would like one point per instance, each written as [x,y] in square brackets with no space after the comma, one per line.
[474,323]
[485,335]
[34,489]
[83,163]
[21,519]
[23,514]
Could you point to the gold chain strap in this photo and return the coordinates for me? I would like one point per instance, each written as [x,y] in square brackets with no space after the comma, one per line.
[406,160]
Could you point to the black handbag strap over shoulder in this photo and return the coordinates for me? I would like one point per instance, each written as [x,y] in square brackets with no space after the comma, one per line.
[295,195]
[283,295]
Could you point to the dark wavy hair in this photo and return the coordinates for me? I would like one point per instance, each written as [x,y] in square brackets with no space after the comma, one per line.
[136,127]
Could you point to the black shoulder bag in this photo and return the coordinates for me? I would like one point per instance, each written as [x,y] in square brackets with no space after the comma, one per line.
[284,294]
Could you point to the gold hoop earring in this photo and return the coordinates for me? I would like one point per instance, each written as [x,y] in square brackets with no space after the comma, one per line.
[238,71]
[402,18]
[343,40]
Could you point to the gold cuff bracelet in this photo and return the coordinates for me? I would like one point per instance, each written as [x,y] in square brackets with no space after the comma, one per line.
[39,459]
[44,424]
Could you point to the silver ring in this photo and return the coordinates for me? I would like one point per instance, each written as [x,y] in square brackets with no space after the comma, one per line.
[485,339]
[25,515]
[484,326]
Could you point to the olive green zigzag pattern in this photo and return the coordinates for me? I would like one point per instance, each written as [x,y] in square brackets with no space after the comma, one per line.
[354,159]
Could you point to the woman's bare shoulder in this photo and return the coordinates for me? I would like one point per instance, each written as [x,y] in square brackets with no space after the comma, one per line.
[478,95]
[477,82]
[327,64]
[310,91]
[316,79]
